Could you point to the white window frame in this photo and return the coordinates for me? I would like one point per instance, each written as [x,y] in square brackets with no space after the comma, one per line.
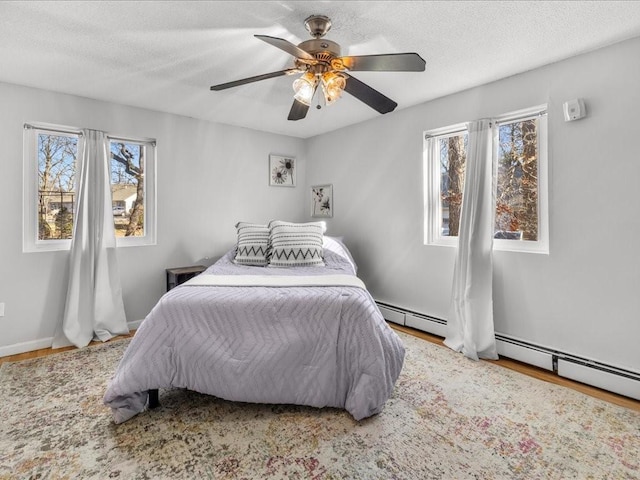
[431,172]
[432,200]
[30,241]
[150,196]
[542,244]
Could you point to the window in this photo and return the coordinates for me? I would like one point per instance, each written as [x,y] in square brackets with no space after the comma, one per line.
[521,222]
[132,196]
[51,156]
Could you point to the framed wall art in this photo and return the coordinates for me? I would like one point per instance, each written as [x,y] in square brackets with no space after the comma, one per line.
[282,171]
[322,201]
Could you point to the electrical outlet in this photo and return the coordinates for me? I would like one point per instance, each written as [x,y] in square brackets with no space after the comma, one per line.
[2,309]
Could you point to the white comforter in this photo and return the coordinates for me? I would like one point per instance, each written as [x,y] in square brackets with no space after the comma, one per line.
[322,346]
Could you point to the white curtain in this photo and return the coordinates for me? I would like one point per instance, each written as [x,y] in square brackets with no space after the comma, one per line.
[94,306]
[470,324]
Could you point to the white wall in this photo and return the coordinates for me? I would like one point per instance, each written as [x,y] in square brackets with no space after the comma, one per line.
[209,177]
[583,297]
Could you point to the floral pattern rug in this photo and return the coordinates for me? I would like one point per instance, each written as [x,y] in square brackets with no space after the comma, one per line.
[448,418]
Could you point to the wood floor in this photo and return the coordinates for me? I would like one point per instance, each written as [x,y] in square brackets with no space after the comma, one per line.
[520,367]
[49,351]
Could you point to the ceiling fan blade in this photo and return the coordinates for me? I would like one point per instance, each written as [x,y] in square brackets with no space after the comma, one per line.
[287,46]
[298,111]
[257,78]
[392,62]
[368,95]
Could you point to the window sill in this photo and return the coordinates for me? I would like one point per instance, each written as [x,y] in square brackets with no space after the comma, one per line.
[500,246]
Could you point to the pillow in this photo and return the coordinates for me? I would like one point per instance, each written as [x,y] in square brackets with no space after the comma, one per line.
[253,244]
[295,244]
[337,246]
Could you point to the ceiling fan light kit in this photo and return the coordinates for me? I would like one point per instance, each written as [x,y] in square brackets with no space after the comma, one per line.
[321,64]
[305,87]
[332,85]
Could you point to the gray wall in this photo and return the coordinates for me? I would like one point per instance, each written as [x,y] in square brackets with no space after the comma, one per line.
[209,176]
[582,298]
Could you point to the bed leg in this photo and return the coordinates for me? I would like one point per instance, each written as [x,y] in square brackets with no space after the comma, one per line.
[153,398]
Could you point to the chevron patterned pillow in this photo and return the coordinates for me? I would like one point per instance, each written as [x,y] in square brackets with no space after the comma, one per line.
[295,244]
[253,244]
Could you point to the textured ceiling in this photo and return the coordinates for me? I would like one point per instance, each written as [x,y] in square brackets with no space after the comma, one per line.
[164,55]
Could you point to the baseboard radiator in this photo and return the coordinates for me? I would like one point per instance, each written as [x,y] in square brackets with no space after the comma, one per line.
[584,370]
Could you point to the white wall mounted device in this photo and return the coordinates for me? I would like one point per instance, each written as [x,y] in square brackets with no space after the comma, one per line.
[574,110]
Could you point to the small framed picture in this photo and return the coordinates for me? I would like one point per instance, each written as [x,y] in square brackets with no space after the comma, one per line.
[322,201]
[282,171]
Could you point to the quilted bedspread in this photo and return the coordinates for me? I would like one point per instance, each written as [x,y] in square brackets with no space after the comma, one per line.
[321,346]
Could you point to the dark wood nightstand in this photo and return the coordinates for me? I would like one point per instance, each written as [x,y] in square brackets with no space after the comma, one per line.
[178,275]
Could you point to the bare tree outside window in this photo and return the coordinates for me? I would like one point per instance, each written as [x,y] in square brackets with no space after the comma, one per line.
[517,181]
[517,215]
[453,157]
[127,187]
[56,185]
[51,171]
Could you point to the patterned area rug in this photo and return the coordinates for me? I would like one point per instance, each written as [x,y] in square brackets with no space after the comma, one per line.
[448,418]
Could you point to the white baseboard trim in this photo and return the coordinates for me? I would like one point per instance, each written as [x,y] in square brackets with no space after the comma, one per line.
[134,324]
[41,343]
[23,347]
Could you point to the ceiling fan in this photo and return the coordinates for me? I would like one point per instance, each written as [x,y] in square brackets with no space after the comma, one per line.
[321,64]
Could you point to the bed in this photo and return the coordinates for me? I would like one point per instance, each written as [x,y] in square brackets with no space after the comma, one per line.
[293,334]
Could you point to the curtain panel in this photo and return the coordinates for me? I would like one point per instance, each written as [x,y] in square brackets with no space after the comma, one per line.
[470,328]
[94,306]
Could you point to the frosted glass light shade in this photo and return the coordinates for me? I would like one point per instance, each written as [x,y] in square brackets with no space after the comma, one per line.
[332,85]
[305,87]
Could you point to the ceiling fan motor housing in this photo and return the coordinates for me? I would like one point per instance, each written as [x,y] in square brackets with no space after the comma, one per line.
[324,50]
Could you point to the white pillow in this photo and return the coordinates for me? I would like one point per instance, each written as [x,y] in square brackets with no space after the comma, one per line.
[337,246]
[295,244]
[253,244]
